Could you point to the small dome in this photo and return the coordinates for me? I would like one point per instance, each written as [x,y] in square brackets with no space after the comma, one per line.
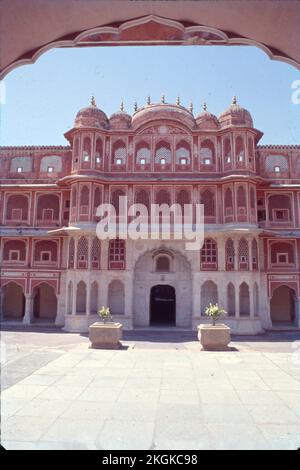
[235,115]
[162,111]
[91,116]
[207,120]
[120,119]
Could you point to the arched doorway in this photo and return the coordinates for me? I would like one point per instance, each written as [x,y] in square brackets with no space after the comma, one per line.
[162,305]
[44,302]
[282,305]
[13,302]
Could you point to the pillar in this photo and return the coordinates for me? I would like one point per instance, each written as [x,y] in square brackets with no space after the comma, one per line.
[297,311]
[74,298]
[28,309]
[251,300]
[237,300]
[1,303]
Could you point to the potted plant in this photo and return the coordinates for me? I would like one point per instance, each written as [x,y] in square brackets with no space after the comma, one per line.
[214,336]
[105,333]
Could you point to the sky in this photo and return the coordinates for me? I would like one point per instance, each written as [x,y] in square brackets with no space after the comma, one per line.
[41,100]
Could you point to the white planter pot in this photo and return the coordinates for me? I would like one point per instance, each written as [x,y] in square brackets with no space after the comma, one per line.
[215,337]
[105,335]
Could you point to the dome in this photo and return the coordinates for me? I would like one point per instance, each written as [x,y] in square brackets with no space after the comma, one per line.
[235,115]
[91,116]
[163,111]
[207,120]
[120,119]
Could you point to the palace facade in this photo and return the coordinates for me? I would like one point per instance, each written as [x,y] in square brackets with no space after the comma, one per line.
[55,269]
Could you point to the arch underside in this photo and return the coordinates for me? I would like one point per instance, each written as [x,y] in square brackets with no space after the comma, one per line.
[150,30]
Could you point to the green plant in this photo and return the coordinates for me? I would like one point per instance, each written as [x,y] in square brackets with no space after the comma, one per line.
[104,314]
[214,312]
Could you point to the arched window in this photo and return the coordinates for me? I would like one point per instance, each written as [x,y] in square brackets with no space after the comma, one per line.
[14,251]
[142,153]
[208,200]
[240,150]
[97,199]
[94,298]
[116,256]
[209,255]
[119,153]
[209,294]
[163,154]
[243,254]
[115,200]
[227,152]
[182,198]
[81,298]
[280,208]
[17,208]
[229,254]
[252,201]
[95,253]
[244,300]
[84,200]
[48,208]
[45,251]
[277,165]
[86,153]
[282,254]
[71,254]
[250,149]
[163,264]
[183,153]
[143,197]
[163,197]
[254,255]
[76,147]
[228,203]
[241,201]
[230,300]
[116,297]
[82,253]
[207,152]
[99,152]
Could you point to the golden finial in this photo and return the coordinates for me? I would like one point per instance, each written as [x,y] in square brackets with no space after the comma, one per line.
[135,105]
[122,106]
[191,107]
[234,100]
[178,100]
[93,101]
[149,100]
[163,99]
[204,106]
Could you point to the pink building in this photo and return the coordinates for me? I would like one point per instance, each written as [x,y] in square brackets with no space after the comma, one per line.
[55,269]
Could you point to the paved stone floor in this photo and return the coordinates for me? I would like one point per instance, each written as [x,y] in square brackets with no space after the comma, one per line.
[158,392]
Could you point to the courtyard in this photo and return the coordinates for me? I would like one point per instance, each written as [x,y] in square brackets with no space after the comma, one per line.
[158,392]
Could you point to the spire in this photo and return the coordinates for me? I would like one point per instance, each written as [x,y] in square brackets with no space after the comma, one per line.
[204,106]
[122,106]
[178,100]
[149,100]
[234,100]
[135,106]
[191,107]
[163,99]
[93,101]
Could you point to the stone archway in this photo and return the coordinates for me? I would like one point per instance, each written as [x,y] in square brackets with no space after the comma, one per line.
[13,302]
[282,305]
[178,279]
[44,302]
[162,305]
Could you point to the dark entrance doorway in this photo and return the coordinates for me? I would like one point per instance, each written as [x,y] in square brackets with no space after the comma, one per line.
[163,305]
[283,305]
